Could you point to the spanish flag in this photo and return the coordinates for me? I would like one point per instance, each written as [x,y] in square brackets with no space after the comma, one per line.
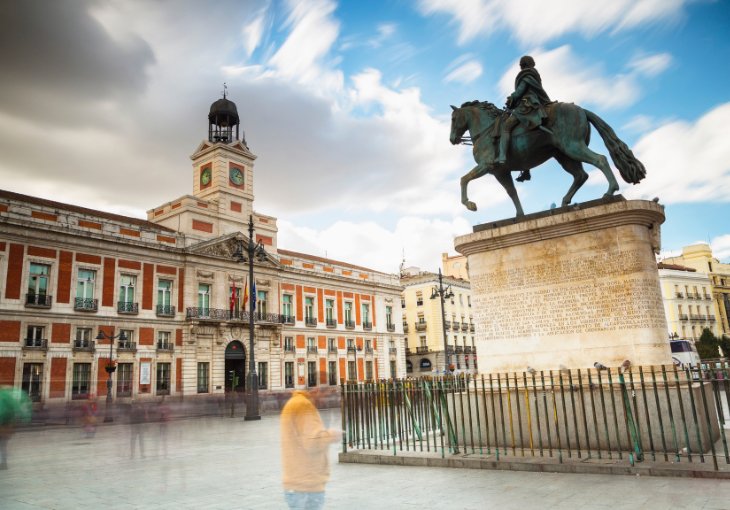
[245,295]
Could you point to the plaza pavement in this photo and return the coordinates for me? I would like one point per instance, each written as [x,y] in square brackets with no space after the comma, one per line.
[226,463]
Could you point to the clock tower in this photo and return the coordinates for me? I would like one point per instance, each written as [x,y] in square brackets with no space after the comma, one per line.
[222,198]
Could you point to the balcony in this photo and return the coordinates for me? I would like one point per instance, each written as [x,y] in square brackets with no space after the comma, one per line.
[468,349]
[165,311]
[84,346]
[38,300]
[312,349]
[223,315]
[465,326]
[694,317]
[287,319]
[680,295]
[368,350]
[351,349]
[367,326]
[408,351]
[471,328]
[459,349]
[86,305]
[392,351]
[390,327]
[127,308]
[450,349]
[310,321]
[35,344]
[422,350]
[349,324]
[165,347]
[419,302]
[405,328]
[127,346]
[289,348]
[683,317]
[332,349]
[420,326]
[447,325]
[331,323]
[711,318]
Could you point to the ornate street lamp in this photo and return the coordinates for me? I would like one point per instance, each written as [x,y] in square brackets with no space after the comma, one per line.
[110,369]
[248,253]
[443,293]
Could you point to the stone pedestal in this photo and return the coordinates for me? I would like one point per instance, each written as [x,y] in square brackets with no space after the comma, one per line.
[568,287]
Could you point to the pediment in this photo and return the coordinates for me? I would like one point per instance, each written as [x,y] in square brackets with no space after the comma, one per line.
[224,247]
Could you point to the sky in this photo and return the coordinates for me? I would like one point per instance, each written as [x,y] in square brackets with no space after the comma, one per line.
[347,107]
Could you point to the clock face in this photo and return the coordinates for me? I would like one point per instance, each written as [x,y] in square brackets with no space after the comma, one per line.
[205,176]
[236,176]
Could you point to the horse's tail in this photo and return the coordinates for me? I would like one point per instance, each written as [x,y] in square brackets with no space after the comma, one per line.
[630,168]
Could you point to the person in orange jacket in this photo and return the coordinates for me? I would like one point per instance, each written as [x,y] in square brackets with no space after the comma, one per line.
[304,449]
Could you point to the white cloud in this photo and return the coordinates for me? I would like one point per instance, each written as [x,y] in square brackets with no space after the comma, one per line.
[721,248]
[371,245]
[651,65]
[639,124]
[465,72]
[384,32]
[253,31]
[566,77]
[536,21]
[687,162]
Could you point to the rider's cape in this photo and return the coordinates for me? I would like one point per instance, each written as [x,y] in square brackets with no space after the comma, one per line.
[529,98]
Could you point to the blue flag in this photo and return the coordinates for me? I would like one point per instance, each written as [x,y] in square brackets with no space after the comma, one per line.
[253,296]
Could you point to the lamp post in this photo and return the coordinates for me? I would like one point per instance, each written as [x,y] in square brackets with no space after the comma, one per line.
[443,293]
[243,254]
[110,369]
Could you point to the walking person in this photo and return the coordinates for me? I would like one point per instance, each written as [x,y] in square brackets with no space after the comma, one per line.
[304,452]
[137,419]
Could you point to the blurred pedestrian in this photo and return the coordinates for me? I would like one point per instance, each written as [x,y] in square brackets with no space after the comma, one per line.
[89,412]
[137,419]
[15,408]
[163,416]
[304,452]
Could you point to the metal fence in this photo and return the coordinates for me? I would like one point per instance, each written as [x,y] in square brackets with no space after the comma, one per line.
[660,413]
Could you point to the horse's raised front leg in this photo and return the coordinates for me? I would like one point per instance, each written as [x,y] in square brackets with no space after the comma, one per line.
[504,176]
[474,173]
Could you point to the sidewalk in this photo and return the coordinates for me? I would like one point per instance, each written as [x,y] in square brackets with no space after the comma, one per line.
[226,463]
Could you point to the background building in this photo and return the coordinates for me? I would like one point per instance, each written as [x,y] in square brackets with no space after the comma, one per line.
[699,257]
[171,283]
[688,302]
[424,328]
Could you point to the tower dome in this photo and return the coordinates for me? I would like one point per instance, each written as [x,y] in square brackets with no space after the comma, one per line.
[222,118]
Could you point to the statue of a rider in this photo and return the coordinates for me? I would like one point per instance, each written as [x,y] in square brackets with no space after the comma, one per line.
[527,107]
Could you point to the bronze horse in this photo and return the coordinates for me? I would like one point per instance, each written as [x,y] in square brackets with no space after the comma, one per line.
[565,137]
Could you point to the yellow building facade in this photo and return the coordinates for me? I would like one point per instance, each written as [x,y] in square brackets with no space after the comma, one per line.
[688,302]
[699,257]
[425,329]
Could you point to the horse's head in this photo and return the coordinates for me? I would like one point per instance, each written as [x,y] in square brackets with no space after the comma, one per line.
[473,116]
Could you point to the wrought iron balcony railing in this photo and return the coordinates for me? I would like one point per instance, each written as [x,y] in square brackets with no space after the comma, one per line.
[465,326]
[447,325]
[312,349]
[165,311]
[165,347]
[223,315]
[420,326]
[36,343]
[127,346]
[368,350]
[422,350]
[393,350]
[127,307]
[390,327]
[287,319]
[459,349]
[683,317]
[471,328]
[349,324]
[405,328]
[331,323]
[332,349]
[86,304]
[310,321]
[84,345]
[467,349]
[38,300]
[351,349]
[289,348]
[367,326]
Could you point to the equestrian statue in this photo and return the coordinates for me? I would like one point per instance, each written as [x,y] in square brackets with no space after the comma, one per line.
[531,130]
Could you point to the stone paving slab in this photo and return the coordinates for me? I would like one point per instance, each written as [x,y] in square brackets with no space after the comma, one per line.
[226,463]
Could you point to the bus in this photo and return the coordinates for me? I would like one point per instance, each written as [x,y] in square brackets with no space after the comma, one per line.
[684,353]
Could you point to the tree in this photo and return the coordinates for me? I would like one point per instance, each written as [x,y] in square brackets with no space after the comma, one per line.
[725,345]
[707,345]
